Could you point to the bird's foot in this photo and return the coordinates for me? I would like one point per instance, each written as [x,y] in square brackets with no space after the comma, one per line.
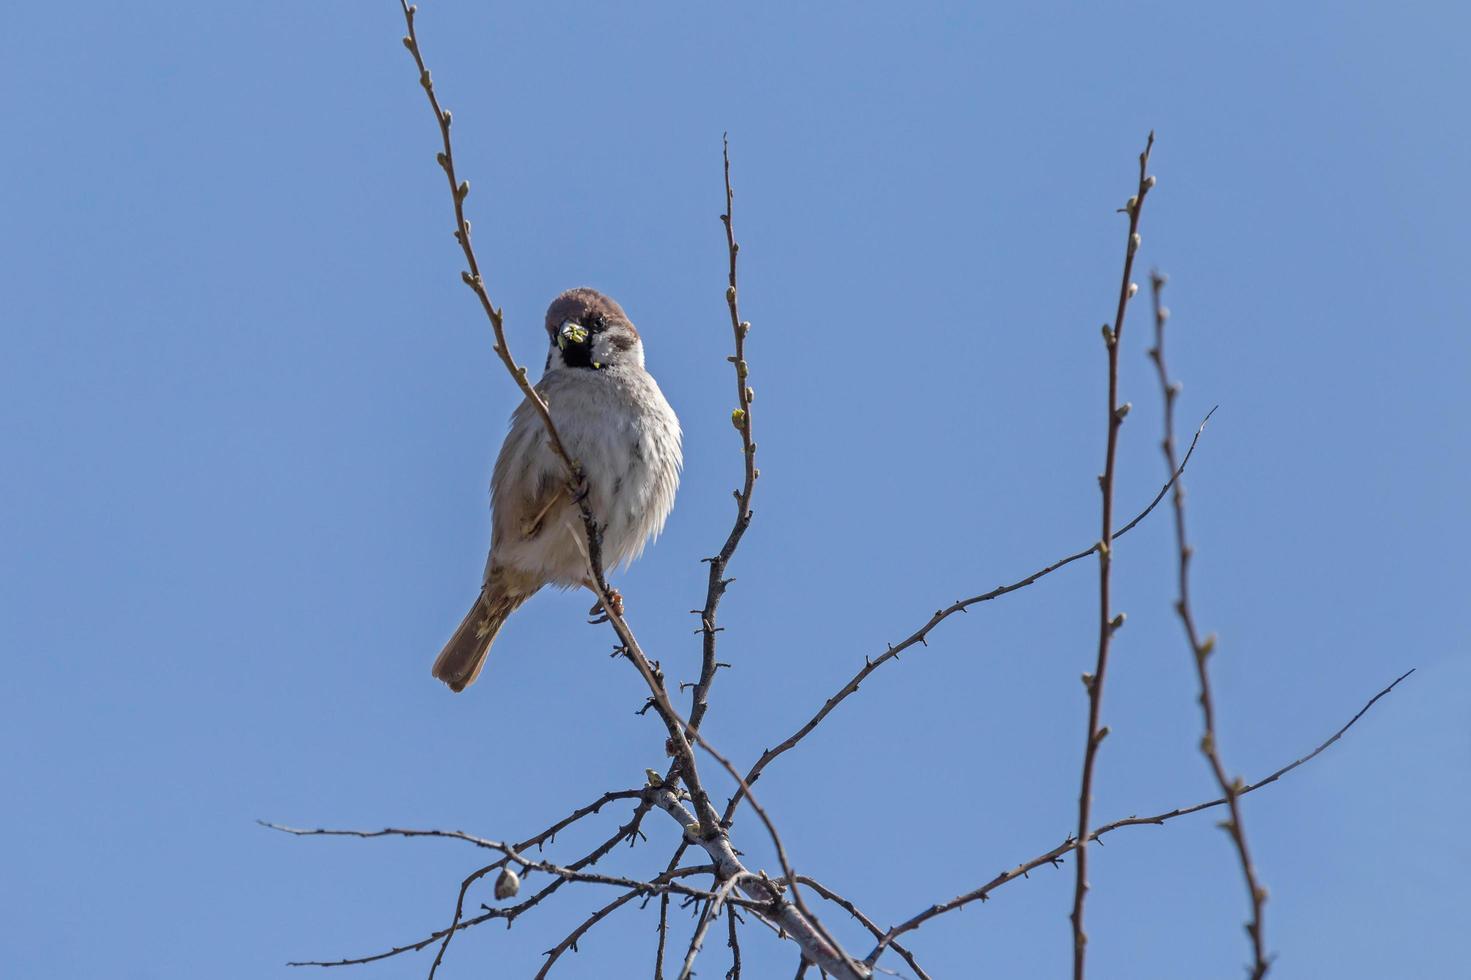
[600,615]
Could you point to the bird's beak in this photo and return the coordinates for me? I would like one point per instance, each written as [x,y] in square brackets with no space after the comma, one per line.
[572,332]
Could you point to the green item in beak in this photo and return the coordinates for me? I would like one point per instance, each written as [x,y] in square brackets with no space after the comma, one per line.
[571,332]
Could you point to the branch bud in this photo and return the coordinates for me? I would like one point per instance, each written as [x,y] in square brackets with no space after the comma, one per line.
[507,885]
[729,294]
[655,780]
[1149,182]
[1133,289]
[1122,411]
[1208,645]
[1102,734]
[1131,204]
[750,394]
[408,42]
[1117,621]
[738,418]
[464,190]
[741,370]
[1088,680]
[745,327]
[1134,242]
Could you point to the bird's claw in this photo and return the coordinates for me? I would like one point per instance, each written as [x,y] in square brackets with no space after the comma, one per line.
[599,614]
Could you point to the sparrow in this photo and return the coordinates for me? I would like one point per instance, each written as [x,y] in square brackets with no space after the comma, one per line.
[615,422]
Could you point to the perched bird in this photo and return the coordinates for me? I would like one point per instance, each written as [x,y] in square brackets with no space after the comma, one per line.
[614,421]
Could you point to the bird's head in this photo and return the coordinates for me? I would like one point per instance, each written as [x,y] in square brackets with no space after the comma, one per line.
[590,331]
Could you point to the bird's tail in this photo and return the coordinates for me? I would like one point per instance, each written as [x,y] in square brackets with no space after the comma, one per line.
[459,663]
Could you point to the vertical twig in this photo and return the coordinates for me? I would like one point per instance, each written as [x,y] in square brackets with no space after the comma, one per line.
[741,419]
[734,942]
[802,926]
[460,190]
[1107,622]
[1201,648]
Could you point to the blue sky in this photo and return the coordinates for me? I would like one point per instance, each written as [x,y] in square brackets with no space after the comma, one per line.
[248,415]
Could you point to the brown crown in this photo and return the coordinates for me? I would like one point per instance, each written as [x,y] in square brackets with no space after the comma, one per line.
[581,305]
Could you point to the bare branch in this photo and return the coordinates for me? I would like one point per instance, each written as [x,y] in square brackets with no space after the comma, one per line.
[663,884]
[385,832]
[679,731]
[712,912]
[664,914]
[1055,855]
[734,944]
[1201,649]
[867,923]
[536,841]
[741,418]
[919,636]
[790,914]
[459,191]
[1107,623]
[570,942]
[562,875]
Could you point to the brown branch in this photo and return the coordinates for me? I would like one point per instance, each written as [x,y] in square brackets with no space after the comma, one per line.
[563,874]
[1201,649]
[734,944]
[680,733]
[710,914]
[459,191]
[919,636]
[741,418]
[1107,622]
[570,942]
[866,922]
[1055,855]
[576,482]
[664,879]
[385,832]
[664,914]
[536,841]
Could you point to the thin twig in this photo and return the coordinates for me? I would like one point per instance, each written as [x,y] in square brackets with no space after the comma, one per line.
[741,418]
[1055,855]
[536,841]
[665,879]
[561,874]
[866,922]
[385,832]
[1201,649]
[711,913]
[1107,623]
[570,942]
[872,664]
[734,944]
[664,914]
[679,732]
[459,191]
